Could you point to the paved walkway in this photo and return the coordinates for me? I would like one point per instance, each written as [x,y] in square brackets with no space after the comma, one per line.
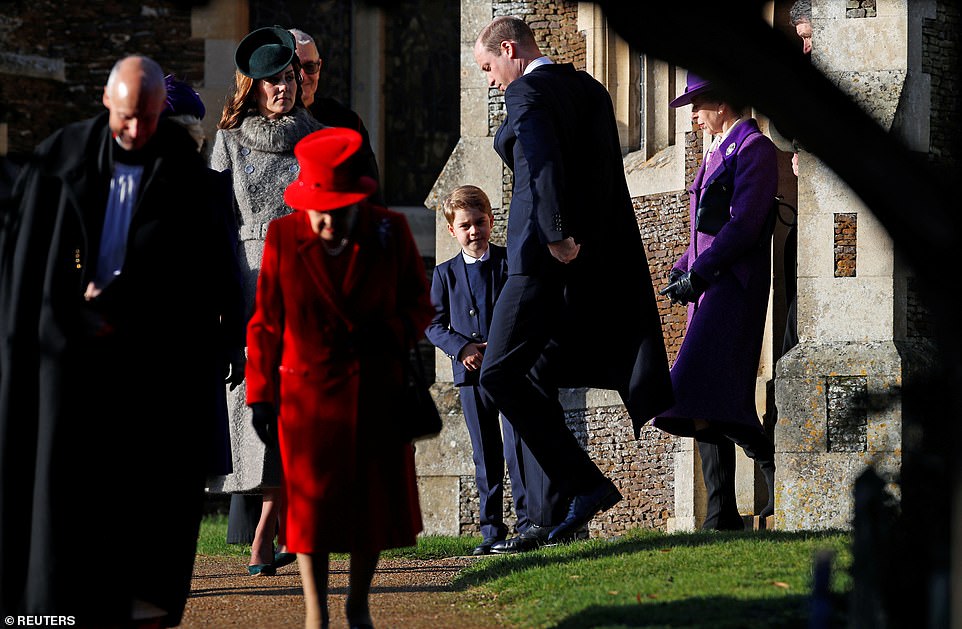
[407,594]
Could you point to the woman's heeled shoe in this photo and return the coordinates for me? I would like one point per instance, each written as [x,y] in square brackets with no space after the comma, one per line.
[284,559]
[262,570]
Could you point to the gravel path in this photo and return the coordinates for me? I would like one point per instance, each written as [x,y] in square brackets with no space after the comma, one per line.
[406,594]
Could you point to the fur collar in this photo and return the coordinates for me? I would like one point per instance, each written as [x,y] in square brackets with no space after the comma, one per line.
[277,136]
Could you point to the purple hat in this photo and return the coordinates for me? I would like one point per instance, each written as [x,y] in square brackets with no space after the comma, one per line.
[696,85]
[182,99]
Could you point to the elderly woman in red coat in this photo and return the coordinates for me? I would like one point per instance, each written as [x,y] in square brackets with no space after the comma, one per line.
[341,297]
[724,277]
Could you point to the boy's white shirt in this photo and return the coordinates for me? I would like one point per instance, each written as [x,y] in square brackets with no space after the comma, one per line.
[469,259]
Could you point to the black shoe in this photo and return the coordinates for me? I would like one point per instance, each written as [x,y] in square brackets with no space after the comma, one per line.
[533,537]
[727,522]
[583,508]
[484,548]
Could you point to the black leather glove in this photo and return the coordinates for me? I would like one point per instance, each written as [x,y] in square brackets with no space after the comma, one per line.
[687,288]
[673,276]
[264,419]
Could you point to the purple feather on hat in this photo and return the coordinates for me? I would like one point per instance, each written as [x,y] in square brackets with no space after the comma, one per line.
[182,99]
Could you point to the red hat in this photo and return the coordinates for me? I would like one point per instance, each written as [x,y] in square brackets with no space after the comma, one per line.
[325,181]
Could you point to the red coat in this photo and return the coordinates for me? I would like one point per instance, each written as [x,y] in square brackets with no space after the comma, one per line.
[329,358]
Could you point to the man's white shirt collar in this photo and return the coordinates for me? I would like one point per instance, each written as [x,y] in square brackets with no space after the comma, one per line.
[540,61]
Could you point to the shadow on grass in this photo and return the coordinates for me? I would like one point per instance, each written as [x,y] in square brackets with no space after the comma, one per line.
[502,565]
[715,612]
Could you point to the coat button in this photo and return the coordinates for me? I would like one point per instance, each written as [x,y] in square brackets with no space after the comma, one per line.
[472,312]
[249,169]
[245,151]
[475,335]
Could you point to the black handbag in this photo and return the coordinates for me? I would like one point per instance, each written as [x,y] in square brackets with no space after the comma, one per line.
[714,208]
[418,416]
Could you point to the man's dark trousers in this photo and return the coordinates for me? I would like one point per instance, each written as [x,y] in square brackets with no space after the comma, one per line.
[517,373]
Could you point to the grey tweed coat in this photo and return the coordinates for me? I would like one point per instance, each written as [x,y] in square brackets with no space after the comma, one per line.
[260,155]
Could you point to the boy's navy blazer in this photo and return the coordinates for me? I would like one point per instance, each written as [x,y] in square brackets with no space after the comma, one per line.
[455,323]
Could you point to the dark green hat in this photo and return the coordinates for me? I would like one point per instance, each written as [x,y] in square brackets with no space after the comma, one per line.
[265,52]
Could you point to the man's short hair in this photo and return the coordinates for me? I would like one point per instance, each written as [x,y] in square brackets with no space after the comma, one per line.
[801,11]
[505,28]
[464,198]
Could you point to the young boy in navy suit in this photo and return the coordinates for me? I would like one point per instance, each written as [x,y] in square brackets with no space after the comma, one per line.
[463,292]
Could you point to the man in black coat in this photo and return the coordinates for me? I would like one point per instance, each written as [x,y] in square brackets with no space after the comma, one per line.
[578,308]
[331,112]
[114,267]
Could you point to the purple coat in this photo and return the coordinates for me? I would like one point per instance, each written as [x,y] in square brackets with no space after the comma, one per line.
[713,377]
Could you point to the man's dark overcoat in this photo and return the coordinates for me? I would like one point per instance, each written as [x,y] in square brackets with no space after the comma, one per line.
[106,406]
[561,141]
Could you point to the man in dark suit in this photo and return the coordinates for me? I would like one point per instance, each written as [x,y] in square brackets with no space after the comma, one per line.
[578,308]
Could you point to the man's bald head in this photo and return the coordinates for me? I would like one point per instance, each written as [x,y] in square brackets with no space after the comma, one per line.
[135,95]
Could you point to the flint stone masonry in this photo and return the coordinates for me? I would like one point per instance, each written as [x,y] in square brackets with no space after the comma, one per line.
[940,60]
[32,66]
[860,8]
[663,220]
[846,233]
[918,317]
[641,469]
[845,402]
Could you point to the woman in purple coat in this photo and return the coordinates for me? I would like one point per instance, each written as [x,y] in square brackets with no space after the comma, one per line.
[724,277]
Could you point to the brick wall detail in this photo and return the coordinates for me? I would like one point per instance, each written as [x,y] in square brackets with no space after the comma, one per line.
[846,233]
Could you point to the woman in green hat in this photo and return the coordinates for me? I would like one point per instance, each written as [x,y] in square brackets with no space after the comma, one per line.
[262,121]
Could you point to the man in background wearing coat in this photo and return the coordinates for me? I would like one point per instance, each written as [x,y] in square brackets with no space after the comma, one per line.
[113,263]
[332,113]
[578,308]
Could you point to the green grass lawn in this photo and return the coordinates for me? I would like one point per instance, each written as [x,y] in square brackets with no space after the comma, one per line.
[644,579]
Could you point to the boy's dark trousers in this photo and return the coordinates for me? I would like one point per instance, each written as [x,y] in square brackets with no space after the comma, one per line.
[491,452]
